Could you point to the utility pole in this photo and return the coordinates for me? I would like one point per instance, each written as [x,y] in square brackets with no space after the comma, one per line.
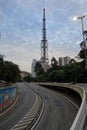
[83,35]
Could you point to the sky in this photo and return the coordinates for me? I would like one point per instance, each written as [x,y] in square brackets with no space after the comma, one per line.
[21,29]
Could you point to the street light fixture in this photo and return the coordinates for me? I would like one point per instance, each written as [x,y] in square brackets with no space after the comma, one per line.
[81,18]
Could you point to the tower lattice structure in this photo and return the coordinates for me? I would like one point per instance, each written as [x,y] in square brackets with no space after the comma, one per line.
[44,42]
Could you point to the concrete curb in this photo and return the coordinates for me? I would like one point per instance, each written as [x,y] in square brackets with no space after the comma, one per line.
[33,127]
[78,123]
[31,117]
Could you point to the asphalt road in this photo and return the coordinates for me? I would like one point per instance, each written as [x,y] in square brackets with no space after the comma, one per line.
[59,112]
[26,100]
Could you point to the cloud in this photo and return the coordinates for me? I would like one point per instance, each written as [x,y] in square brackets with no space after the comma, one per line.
[21,29]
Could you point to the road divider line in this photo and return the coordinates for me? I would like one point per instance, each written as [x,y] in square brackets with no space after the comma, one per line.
[53,125]
[31,117]
[43,106]
[71,101]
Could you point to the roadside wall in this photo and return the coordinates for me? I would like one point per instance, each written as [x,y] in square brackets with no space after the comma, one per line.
[7,96]
[78,123]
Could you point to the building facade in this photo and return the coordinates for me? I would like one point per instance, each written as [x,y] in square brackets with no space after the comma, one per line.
[64,61]
[61,61]
[32,68]
[24,74]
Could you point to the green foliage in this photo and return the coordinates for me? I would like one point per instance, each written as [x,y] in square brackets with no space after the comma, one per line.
[39,72]
[54,65]
[74,72]
[39,69]
[72,61]
[29,78]
[82,54]
[53,61]
[9,72]
[56,76]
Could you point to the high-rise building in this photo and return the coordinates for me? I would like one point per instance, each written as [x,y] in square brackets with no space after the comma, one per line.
[64,61]
[61,61]
[33,68]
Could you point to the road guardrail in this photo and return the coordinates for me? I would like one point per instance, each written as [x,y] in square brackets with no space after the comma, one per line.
[80,118]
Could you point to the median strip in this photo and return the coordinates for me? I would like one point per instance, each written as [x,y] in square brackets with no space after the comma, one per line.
[30,118]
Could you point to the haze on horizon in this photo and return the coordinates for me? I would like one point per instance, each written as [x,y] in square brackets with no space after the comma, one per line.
[21,29]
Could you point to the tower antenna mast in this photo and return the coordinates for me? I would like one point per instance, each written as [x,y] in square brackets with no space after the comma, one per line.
[44,43]
[43,4]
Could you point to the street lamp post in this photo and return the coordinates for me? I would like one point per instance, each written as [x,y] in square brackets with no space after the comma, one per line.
[81,18]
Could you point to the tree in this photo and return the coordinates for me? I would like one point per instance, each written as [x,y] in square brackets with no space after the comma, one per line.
[56,76]
[53,61]
[9,72]
[82,54]
[28,78]
[38,69]
[54,65]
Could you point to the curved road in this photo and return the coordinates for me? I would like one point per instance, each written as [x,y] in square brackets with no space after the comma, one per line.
[26,100]
[59,111]
[58,114]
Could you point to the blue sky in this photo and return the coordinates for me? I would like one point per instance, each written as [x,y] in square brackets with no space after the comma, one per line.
[21,29]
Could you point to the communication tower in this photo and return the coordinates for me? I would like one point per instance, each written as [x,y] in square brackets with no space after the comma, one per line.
[44,43]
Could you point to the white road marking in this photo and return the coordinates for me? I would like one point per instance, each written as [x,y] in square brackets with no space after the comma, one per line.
[71,102]
[53,126]
[30,116]
[55,111]
[67,99]
[15,113]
